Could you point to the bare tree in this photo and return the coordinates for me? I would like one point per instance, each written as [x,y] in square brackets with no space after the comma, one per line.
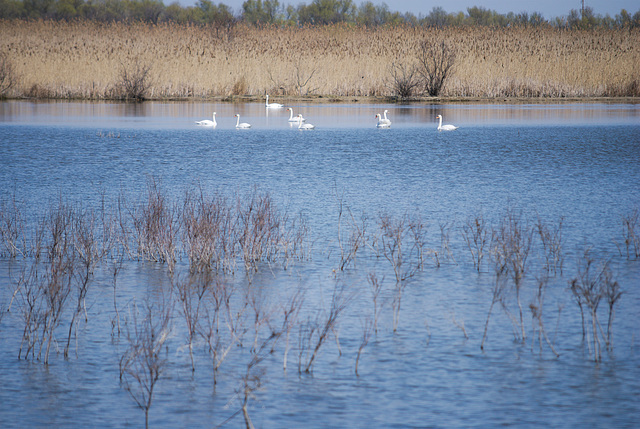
[7,75]
[134,82]
[301,79]
[404,80]
[435,65]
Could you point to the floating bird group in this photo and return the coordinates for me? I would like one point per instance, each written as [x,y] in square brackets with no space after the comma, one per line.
[382,120]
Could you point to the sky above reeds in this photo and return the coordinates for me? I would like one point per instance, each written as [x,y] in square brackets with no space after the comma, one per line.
[548,8]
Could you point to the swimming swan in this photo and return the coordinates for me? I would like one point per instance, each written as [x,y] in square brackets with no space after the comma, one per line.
[241,125]
[291,118]
[385,119]
[208,123]
[272,105]
[445,127]
[302,126]
[381,123]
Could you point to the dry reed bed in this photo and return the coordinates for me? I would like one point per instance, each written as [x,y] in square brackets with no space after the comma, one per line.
[85,59]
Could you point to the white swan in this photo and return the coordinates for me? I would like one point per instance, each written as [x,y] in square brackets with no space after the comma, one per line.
[272,105]
[241,125]
[445,127]
[208,123]
[302,126]
[291,118]
[385,119]
[381,123]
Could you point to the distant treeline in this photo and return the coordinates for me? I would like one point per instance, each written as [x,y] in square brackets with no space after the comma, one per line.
[318,12]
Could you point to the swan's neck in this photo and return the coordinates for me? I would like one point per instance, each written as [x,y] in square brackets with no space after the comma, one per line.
[238,121]
[385,115]
[440,123]
[290,114]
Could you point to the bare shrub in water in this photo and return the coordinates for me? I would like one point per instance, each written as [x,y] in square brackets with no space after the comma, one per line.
[32,309]
[367,329]
[375,286]
[221,325]
[259,227]
[403,255]
[47,281]
[445,248]
[141,365]
[537,307]
[476,234]
[252,379]
[317,331]
[209,232]
[155,226]
[88,254]
[631,234]
[290,316]
[59,270]
[191,293]
[350,245]
[512,243]
[552,243]
[612,293]
[498,291]
[12,227]
[593,283]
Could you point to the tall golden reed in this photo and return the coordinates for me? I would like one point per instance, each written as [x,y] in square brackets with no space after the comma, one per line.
[84,59]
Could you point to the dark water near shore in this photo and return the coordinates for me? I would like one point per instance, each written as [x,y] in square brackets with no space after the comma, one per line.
[579,162]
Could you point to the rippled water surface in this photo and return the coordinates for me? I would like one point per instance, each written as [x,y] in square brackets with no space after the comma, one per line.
[576,162]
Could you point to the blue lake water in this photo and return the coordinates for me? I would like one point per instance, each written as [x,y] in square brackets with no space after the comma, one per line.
[576,162]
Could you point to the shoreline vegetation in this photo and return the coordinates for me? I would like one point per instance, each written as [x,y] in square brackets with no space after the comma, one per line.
[93,60]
